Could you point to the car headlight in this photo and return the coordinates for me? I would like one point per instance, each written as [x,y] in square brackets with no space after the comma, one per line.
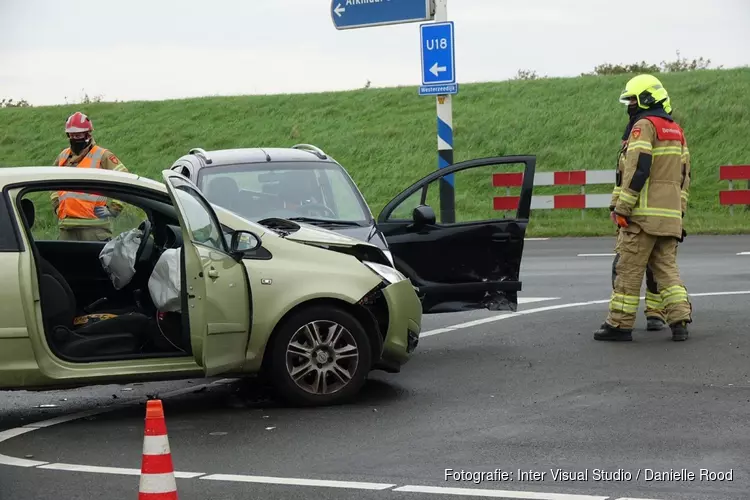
[389,274]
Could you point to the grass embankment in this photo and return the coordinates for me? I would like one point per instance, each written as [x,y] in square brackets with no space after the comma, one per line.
[386,138]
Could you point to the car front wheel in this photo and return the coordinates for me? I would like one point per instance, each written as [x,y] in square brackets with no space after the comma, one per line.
[320,356]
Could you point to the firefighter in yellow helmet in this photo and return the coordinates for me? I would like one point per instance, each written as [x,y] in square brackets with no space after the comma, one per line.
[85,216]
[649,209]
[655,316]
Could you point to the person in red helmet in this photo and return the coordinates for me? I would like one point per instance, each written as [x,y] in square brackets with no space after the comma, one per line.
[85,216]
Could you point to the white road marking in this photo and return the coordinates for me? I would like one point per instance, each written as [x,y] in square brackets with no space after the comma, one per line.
[596,255]
[17,462]
[741,253]
[298,481]
[503,316]
[521,300]
[531,300]
[11,433]
[536,239]
[629,498]
[111,470]
[18,431]
[475,492]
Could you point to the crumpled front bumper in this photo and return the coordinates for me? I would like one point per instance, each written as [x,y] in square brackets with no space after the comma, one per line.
[404,322]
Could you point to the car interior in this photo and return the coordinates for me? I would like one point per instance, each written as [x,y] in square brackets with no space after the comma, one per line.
[85,317]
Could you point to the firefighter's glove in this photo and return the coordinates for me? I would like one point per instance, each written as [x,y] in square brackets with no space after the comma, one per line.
[682,238]
[103,212]
[621,220]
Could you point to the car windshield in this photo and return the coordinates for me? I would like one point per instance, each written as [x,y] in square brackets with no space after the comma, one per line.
[320,193]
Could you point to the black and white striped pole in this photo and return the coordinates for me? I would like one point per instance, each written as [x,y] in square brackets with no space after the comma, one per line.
[443,69]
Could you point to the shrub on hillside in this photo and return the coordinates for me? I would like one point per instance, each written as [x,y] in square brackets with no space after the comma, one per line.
[678,65]
[8,103]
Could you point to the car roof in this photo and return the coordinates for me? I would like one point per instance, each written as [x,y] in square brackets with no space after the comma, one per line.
[308,154]
[13,175]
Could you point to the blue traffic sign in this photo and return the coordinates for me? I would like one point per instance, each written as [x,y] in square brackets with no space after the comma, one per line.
[350,14]
[438,54]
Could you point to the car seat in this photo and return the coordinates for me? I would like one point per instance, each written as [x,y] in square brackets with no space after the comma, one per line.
[101,334]
[225,192]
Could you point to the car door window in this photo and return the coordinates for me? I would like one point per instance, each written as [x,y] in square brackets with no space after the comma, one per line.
[202,226]
[474,194]
[46,225]
[405,209]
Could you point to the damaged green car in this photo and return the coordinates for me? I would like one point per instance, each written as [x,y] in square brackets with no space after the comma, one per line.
[184,288]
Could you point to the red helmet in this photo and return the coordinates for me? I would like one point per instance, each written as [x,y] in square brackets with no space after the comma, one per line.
[77,123]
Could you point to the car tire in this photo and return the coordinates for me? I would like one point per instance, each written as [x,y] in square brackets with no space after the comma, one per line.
[321,363]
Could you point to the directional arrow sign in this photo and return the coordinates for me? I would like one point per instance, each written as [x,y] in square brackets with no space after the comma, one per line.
[436,70]
[438,55]
[350,14]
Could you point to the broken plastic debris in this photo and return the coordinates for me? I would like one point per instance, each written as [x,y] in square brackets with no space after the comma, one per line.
[270,428]
[127,389]
[47,406]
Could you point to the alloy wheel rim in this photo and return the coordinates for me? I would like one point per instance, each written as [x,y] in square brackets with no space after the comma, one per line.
[322,357]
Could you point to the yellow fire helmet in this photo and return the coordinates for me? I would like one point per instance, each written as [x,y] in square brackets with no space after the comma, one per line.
[647,90]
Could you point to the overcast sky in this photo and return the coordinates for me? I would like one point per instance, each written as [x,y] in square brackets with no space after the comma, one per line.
[159,49]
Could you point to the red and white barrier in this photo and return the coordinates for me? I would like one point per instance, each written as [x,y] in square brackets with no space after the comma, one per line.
[734,196]
[558,201]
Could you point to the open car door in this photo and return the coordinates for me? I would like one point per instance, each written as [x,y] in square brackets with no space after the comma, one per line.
[215,287]
[467,264]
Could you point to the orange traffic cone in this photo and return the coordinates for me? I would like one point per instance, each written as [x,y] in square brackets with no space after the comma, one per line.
[157,471]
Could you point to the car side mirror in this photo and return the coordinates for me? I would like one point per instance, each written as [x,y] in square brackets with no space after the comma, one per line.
[423,215]
[244,241]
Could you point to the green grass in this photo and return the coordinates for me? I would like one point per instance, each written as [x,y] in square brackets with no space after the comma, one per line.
[386,138]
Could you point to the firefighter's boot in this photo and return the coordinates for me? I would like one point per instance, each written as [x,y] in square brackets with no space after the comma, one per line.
[609,332]
[679,331]
[654,324]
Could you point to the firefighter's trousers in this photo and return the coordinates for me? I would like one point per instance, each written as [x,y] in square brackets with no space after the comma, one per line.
[637,251]
[654,306]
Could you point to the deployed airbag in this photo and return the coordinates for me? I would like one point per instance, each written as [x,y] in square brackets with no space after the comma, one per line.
[164,284]
[118,257]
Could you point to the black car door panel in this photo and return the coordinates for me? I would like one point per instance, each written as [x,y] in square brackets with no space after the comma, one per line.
[464,265]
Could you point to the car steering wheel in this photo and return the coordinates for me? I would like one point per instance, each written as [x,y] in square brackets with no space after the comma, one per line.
[321,207]
[145,228]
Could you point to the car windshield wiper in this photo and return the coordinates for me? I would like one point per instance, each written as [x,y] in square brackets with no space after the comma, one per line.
[313,220]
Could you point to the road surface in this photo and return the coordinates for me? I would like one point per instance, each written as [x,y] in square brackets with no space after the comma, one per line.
[486,392]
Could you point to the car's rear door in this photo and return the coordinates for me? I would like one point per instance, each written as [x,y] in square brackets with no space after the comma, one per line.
[218,292]
[470,264]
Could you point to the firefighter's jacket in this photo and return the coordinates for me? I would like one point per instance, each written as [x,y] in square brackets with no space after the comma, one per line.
[74,209]
[653,179]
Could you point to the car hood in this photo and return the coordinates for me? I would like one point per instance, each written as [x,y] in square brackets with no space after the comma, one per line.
[308,233]
[367,234]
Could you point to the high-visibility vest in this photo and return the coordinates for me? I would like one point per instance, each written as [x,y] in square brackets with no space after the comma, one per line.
[80,205]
